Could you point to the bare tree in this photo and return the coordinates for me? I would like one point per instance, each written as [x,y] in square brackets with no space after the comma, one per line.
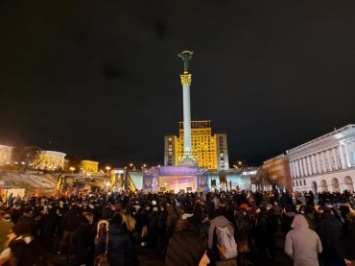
[28,157]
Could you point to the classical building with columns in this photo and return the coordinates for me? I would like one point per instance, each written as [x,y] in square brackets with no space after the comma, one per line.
[326,163]
[89,166]
[51,160]
[5,154]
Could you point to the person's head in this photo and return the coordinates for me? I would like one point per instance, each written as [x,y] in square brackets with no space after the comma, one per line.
[213,214]
[7,217]
[299,222]
[89,217]
[107,213]
[21,229]
[28,211]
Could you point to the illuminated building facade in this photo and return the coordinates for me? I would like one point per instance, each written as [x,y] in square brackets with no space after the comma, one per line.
[326,163]
[51,160]
[5,154]
[88,166]
[210,151]
[276,172]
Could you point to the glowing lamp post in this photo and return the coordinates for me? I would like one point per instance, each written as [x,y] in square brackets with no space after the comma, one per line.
[72,169]
[108,168]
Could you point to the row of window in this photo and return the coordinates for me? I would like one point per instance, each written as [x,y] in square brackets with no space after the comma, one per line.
[295,183]
[317,163]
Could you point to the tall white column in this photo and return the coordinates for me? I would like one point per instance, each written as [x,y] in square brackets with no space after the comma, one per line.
[346,153]
[310,165]
[342,159]
[335,158]
[301,168]
[305,169]
[323,165]
[329,160]
[319,170]
[298,170]
[293,170]
[186,82]
[314,165]
[351,153]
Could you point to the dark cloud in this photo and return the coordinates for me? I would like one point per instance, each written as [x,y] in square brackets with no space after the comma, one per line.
[102,81]
[161,28]
[111,70]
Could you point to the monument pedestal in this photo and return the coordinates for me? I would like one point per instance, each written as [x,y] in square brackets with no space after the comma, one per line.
[188,160]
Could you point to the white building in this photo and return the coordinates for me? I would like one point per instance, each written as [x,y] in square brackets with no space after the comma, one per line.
[326,163]
[5,154]
[51,160]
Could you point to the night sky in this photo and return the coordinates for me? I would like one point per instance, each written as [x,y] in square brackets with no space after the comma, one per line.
[100,79]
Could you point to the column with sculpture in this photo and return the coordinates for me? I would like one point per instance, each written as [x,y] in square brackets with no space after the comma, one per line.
[186,82]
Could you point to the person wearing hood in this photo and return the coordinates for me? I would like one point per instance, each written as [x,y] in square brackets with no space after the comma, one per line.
[303,244]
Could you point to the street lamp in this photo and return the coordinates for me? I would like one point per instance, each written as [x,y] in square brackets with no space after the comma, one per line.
[132,166]
[72,169]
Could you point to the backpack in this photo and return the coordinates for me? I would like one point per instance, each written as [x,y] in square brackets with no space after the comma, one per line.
[24,253]
[226,244]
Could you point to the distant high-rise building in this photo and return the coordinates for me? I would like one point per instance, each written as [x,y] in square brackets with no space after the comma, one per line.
[276,172]
[210,151]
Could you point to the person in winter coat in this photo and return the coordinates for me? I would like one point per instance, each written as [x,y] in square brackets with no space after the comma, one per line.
[119,250]
[22,248]
[217,221]
[47,225]
[5,225]
[82,241]
[329,230]
[302,244]
[186,247]
[15,212]
[287,218]
[264,235]
[70,222]
[348,244]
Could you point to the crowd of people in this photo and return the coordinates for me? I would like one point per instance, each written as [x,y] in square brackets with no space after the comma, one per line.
[106,229]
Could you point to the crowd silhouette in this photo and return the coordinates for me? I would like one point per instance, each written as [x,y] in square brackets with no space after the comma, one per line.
[108,228]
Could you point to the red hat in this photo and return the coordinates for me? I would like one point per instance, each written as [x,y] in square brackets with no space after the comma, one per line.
[244,206]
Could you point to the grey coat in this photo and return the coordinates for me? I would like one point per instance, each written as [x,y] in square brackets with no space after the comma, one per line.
[219,221]
[302,244]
